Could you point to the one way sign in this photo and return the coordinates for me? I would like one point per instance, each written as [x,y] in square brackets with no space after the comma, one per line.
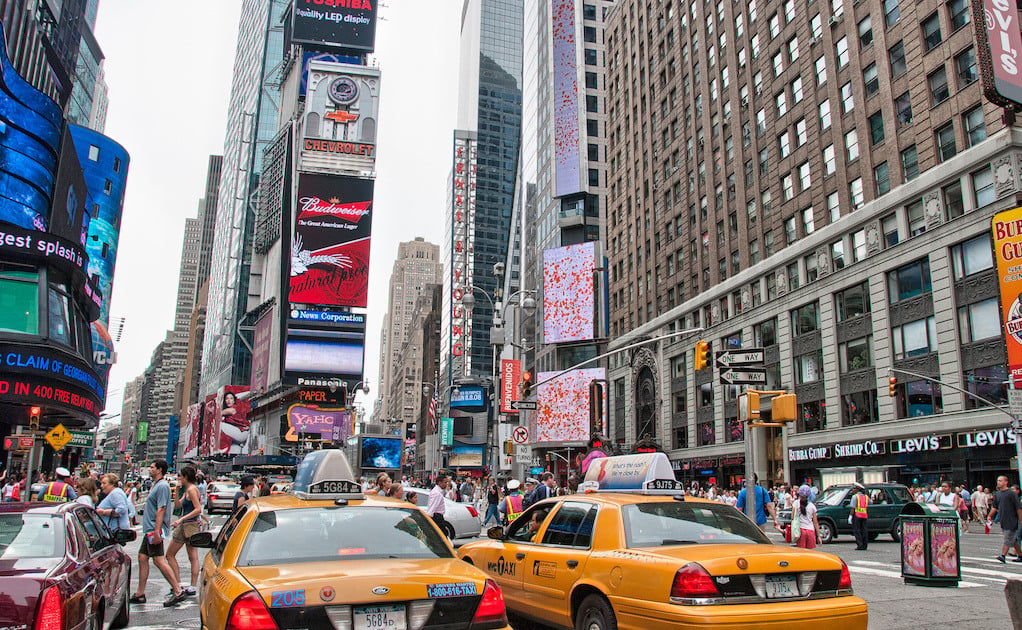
[727,358]
[523,405]
[744,376]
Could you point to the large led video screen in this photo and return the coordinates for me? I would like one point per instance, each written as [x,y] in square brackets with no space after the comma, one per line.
[562,414]
[567,139]
[569,297]
[380,452]
[324,352]
[330,246]
[335,23]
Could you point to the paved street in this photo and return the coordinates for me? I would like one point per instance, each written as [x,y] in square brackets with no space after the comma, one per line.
[978,602]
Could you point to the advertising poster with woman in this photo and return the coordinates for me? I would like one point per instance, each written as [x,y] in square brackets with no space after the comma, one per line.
[234,426]
[210,426]
[912,548]
[944,549]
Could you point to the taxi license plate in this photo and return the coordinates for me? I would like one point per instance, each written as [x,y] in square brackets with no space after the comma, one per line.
[781,586]
[379,618]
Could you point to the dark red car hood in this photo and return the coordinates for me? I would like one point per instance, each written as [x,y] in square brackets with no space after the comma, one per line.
[21,582]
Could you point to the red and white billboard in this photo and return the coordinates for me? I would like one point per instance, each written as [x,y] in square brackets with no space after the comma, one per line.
[562,414]
[226,428]
[330,247]
[569,293]
[192,428]
[210,426]
[510,380]
[261,350]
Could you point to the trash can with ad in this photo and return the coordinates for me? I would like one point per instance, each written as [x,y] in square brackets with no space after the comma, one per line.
[930,555]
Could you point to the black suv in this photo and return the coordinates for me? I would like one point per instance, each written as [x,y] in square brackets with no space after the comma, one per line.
[833,505]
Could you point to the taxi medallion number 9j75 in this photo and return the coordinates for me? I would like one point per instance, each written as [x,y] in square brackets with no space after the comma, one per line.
[379,618]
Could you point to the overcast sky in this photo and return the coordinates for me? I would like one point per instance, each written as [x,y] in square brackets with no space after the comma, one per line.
[168,65]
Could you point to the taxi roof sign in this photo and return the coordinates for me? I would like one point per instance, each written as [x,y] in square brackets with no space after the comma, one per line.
[645,473]
[326,474]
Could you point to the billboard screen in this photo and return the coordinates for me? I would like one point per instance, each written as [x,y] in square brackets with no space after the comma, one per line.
[380,452]
[999,41]
[193,426]
[468,398]
[309,56]
[510,382]
[68,218]
[334,424]
[563,410]
[336,353]
[210,425]
[341,24]
[567,137]
[569,296]
[340,118]
[234,426]
[1007,233]
[261,350]
[330,247]
[465,455]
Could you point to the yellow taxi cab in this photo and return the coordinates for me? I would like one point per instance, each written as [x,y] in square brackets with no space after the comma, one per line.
[631,551]
[326,556]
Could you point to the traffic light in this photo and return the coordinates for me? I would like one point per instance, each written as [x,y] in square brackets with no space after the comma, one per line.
[702,355]
[33,418]
[526,385]
[262,450]
[509,448]
[782,408]
[8,443]
[892,386]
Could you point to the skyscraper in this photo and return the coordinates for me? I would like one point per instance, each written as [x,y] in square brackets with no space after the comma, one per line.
[817,182]
[416,270]
[489,122]
[251,125]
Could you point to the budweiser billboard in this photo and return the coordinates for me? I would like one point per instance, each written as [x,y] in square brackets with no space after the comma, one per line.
[510,379]
[330,247]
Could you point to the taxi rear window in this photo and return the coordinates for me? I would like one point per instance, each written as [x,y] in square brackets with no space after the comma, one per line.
[340,533]
[676,523]
[31,536]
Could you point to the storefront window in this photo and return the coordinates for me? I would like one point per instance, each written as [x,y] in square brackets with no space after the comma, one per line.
[706,434]
[859,408]
[919,398]
[810,416]
[988,383]
[852,302]
[19,301]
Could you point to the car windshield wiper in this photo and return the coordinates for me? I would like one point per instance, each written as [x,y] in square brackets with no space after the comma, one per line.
[675,541]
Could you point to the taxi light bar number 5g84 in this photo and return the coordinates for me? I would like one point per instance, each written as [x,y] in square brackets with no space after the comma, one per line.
[334,487]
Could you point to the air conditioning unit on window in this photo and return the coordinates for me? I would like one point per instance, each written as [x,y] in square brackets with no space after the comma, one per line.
[745,102]
[835,20]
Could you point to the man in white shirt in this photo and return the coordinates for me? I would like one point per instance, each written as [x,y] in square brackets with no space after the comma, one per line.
[435,505]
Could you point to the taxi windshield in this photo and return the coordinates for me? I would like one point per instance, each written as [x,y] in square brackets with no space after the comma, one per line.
[340,533]
[660,524]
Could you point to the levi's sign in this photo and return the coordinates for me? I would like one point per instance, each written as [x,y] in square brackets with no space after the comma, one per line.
[993,437]
[919,444]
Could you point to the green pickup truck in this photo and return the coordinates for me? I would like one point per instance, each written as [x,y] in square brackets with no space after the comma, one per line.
[886,501]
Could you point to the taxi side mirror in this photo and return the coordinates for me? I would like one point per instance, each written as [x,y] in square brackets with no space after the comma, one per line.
[202,540]
[124,536]
[496,533]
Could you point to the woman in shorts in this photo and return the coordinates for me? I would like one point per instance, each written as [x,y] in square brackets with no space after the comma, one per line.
[185,527]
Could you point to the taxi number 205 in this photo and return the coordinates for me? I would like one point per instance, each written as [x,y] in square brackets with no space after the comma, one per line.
[281,599]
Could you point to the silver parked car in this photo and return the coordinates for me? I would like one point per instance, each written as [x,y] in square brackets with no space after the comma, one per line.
[462,518]
[220,496]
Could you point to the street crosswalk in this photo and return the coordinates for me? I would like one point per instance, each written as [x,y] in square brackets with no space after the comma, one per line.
[977,572]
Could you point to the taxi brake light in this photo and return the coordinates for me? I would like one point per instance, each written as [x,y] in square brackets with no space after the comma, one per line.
[471,510]
[693,582]
[491,612]
[846,578]
[213,497]
[51,611]
[248,612]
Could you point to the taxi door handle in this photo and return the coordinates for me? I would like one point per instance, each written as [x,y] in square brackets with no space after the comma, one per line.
[520,556]
[572,564]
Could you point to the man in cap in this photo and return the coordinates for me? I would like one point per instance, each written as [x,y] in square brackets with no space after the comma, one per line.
[511,505]
[859,516]
[59,490]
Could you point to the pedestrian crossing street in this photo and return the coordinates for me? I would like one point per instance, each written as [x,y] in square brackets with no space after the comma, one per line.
[977,572]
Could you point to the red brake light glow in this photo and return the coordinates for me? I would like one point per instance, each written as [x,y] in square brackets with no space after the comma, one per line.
[213,497]
[471,510]
[248,612]
[846,578]
[693,582]
[491,612]
[50,615]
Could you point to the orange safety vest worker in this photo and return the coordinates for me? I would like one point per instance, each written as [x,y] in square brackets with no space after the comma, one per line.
[861,501]
[60,496]
[514,506]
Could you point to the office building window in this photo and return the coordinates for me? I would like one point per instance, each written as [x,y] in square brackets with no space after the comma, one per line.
[918,398]
[865,32]
[794,279]
[916,218]
[882,178]
[856,354]
[834,206]
[810,416]
[765,333]
[983,184]
[889,228]
[837,255]
[852,302]
[821,71]
[891,12]
[931,32]
[909,280]
[910,163]
[825,115]
[859,408]
[979,321]
[805,319]
[903,105]
[896,55]
[989,383]
[807,216]
[953,200]
[856,192]
[829,166]
[965,67]
[944,137]
[958,11]
[972,256]
[841,52]
[852,145]
[937,81]
[975,128]
[847,98]
[790,232]
[876,127]
[871,79]
[914,338]
[808,368]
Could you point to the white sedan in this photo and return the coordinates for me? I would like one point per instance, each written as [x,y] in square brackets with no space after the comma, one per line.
[462,518]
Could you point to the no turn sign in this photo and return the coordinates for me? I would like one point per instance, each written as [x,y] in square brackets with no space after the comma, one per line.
[520,435]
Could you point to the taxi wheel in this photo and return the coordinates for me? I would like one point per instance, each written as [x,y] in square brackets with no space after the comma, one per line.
[595,613]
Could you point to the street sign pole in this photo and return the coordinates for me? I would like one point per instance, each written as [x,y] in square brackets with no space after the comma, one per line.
[1015,404]
[750,476]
